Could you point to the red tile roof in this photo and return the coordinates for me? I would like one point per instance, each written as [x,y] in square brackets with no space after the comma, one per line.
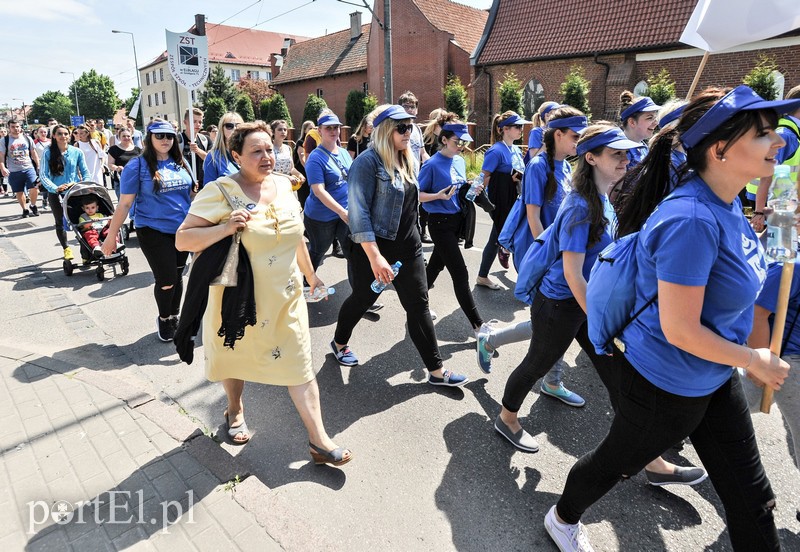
[333,54]
[526,30]
[463,22]
[239,45]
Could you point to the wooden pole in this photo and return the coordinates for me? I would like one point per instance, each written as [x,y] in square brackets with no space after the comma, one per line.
[697,77]
[778,324]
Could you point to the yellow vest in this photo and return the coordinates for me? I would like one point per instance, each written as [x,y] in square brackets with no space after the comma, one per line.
[794,160]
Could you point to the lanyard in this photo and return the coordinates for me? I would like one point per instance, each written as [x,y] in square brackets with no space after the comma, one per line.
[342,168]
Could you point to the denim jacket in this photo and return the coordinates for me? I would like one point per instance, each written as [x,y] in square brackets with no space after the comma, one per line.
[375,199]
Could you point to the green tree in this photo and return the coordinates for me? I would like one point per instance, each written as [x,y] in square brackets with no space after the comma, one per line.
[314,105]
[510,93]
[660,87]
[51,104]
[244,107]
[215,109]
[370,103]
[575,89]
[762,78]
[96,95]
[276,108]
[219,86]
[129,105]
[354,108]
[455,96]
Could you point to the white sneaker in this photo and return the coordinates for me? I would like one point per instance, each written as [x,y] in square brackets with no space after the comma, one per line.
[568,538]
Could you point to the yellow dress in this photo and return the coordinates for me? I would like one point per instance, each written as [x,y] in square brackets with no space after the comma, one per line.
[277,350]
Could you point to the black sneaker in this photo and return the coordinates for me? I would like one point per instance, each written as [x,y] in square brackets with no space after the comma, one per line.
[25,213]
[165,329]
[337,250]
[34,210]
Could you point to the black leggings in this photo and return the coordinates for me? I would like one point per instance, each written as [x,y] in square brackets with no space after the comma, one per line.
[413,293]
[58,215]
[444,230]
[648,420]
[167,264]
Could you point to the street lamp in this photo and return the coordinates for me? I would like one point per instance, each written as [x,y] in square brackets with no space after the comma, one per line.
[24,114]
[74,89]
[135,61]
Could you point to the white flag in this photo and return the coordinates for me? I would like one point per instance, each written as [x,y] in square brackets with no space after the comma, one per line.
[135,107]
[720,24]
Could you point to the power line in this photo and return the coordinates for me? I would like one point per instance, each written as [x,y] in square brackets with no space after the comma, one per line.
[262,22]
[240,11]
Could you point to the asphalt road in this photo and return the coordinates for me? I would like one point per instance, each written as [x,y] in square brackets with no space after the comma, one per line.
[429,472]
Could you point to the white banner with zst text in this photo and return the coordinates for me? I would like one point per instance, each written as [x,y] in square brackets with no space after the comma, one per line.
[187,59]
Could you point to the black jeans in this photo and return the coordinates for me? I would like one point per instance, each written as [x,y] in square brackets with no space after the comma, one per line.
[555,322]
[320,238]
[412,289]
[167,264]
[444,230]
[58,214]
[648,420]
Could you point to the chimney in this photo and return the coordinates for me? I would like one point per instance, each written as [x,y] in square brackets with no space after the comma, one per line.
[355,25]
[287,43]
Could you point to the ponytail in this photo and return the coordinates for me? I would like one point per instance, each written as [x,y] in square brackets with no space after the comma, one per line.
[549,141]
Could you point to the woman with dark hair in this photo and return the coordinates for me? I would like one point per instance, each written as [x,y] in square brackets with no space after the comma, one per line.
[162,186]
[383,211]
[119,154]
[502,172]
[61,166]
[283,154]
[94,154]
[276,349]
[638,119]
[699,256]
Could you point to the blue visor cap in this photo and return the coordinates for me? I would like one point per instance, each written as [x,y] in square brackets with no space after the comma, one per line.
[613,138]
[513,120]
[639,106]
[392,112]
[741,98]
[549,108]
[671,116]
[461,131]
[161,127]
[576,123]
[329,120]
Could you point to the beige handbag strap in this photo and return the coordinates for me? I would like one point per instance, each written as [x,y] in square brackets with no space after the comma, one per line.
[226,194]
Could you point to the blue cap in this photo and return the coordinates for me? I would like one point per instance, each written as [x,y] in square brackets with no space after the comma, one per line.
[549,108]
[741,98]
[329,120]
[392,112]
[459,129]
[671,116]
[639,106]
[576,123]
[161,127]
[513,120]
[612,138]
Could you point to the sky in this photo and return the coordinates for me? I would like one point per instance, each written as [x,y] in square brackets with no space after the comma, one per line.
[40,38]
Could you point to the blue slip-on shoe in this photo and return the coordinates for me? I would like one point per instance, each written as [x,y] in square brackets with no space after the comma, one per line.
[448,379]
[484,354]
[344,356]
[563,394]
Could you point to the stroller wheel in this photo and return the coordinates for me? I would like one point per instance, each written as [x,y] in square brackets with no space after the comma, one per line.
[68,268]
[125,266]
[100,273]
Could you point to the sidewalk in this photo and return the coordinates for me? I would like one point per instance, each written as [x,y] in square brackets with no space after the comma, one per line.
[90,463]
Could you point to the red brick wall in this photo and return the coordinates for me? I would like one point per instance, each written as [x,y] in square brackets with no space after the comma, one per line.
[334,92]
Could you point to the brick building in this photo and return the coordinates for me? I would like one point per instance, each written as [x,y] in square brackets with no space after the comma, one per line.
[617,42]
[430,40]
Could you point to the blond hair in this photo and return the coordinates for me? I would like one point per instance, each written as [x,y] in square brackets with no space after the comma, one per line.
[394,161]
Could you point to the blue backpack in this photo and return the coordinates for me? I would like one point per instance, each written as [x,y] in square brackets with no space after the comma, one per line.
[537,261]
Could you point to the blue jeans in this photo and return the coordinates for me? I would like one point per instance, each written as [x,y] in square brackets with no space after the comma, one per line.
[320,239]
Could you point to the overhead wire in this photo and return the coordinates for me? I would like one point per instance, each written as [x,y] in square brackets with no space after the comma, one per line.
[262,22]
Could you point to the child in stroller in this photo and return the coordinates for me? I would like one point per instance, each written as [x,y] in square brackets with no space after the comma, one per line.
[92,225]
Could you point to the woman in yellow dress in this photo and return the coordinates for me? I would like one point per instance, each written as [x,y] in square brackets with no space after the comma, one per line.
[277,350]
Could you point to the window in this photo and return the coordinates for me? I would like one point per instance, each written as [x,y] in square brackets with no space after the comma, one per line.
[532,97]
[147,78]
[154,76]
[156,95]
[161,74]
[641,89]
[255,75]
[149,104]
[235,75]
[269,76]
[164,97]
[319,92]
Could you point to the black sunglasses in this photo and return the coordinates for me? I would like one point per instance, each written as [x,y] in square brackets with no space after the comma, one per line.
[516,126]
[230,126]
[402,128]
[163,136]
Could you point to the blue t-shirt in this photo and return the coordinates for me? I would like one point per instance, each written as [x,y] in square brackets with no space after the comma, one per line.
[573,235]
[499,158]
[322,168]
[697,240]
[165,209]
[635,155]
[216,165]
[440,172]
[768,299]
[536,138]
[792,142]
[535,181]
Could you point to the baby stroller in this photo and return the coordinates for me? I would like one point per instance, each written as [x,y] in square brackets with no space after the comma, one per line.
[72,203]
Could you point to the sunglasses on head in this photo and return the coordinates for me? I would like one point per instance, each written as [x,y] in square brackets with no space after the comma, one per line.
[402,128]
[163,136]
[230,126]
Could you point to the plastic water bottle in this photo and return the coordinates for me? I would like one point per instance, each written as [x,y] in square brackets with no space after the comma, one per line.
[472,193]
[781,231]
[319,294]
[378,286]
[517,163]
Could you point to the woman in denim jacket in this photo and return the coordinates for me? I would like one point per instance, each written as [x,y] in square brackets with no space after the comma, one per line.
[382,210]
